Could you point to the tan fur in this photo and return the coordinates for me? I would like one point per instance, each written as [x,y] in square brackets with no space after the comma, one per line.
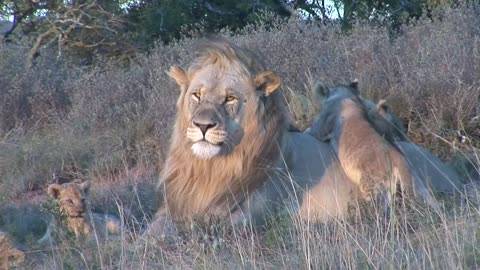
[9,255]
[371,162]
[261,167]
[193,187]
[232,156]
[71,198]
[429,171]
[72,201]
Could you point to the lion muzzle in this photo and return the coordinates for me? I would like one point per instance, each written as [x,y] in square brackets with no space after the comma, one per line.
[206,133]
[204,127]
[206,143]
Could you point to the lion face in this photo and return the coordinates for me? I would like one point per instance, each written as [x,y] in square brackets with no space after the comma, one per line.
[216,105]
[217,102]
[71,197]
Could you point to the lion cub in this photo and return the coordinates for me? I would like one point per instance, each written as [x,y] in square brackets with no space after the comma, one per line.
[369,160]
[72,201]
[9,255]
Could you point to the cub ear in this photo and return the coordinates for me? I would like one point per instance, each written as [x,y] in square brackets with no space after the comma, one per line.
[382,107]
[85,186]
[320,90]
[179,75]
[54,190]
[267,81]
[354,86]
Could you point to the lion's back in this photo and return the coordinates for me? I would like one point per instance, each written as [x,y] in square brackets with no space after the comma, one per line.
[429,170]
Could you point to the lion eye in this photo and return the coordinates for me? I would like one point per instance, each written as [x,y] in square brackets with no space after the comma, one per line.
[69,201]
[197,95]
[230,98]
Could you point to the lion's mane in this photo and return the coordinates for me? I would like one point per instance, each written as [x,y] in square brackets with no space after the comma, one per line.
[194,186]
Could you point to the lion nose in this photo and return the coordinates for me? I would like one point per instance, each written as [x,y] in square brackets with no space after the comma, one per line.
[204,127]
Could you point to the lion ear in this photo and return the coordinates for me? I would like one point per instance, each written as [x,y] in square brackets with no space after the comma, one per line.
[267,81]
[85,186]
[354,87]
[179,75]
[54,190]
[320,90]
[382,107]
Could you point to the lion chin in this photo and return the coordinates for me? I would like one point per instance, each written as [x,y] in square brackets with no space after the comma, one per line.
[205,150]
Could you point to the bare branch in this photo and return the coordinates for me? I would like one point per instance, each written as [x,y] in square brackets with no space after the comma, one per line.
[33,54]
[86,26]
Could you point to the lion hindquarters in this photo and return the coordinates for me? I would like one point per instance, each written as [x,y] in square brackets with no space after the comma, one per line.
[396,176]
[402,175]
[376,167]
[430,172]
[113,227]
[330,198]
[105,224]
[410,187]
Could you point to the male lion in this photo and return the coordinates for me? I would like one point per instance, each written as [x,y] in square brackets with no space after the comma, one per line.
[231,154]
[370,161]
[428,170]
[72,201]
[9,255]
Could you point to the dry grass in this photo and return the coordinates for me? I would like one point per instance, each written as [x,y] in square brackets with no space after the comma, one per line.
[112,124]
[445,239]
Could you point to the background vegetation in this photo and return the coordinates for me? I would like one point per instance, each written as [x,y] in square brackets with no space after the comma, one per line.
[81,29]
[82,115]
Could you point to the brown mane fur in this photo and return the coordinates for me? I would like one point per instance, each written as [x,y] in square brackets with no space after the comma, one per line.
[194,186]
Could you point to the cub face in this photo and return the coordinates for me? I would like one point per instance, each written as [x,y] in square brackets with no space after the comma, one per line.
[71,197]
